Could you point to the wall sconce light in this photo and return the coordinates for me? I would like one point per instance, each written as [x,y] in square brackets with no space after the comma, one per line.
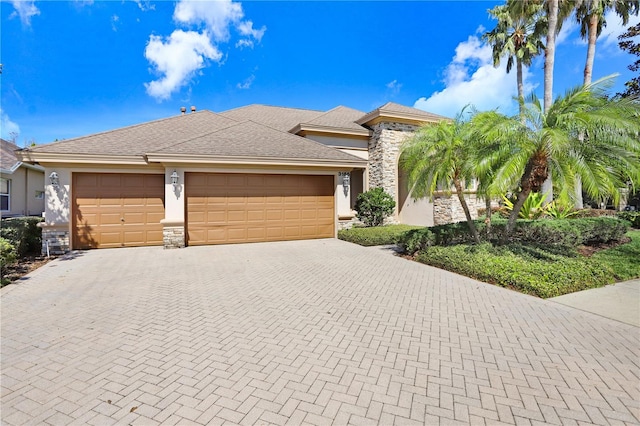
[346,181]
[54,180]
[174,179]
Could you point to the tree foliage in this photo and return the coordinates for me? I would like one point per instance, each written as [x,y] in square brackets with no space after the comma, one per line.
[628,44]
[523,156]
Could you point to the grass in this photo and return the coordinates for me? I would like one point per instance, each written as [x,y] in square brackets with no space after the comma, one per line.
[624,260]
[375,236]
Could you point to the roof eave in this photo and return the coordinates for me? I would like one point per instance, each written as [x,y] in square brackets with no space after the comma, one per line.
[377,116]
[306,127]
[264,161]
[50,157]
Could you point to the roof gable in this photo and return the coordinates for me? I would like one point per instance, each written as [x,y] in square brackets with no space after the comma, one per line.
[392,111]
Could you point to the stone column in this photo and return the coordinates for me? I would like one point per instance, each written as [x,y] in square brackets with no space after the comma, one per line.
[384,150]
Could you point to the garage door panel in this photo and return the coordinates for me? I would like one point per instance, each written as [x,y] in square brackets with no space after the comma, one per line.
[254,207]
[102,200]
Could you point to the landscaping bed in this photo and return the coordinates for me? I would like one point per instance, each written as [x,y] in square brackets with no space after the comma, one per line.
[545,258]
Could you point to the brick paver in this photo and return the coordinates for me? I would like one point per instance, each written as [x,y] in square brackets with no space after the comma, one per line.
[314,332]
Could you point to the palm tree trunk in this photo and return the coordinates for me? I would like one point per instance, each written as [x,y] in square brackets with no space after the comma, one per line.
[592,36]
[488,213]
[520,90]
[550,52]
[549,61]
[467,213]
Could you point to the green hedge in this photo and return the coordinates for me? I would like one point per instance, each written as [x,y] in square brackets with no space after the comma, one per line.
[547,232]
[23,233]
[375,236]
[524,268]
[632,217]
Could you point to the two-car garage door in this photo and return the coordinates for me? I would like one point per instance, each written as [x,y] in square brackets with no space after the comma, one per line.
[124,209]
[233,208]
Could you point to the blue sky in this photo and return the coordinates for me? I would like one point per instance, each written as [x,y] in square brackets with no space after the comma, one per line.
[72,68]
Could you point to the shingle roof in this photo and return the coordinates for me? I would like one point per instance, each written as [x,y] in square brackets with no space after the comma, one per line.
[277,117]
[394,107]
[201,133]
[141,138]
[8,158]
[250,139]
[341,116]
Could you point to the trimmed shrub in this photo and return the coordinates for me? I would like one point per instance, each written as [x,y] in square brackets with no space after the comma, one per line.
[526,269]
[374,206]
[375,236]
[632,217]
[23,233]
[548,232]
[8,253]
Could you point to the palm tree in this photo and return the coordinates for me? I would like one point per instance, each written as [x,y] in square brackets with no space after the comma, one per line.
[524,156]
[516,36]
[437,156]
[590,16]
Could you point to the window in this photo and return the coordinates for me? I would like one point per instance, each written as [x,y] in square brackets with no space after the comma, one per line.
[39,195]
[5,189]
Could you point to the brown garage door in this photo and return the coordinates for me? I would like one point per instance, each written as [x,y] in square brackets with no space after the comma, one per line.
[117,210]
[234,208]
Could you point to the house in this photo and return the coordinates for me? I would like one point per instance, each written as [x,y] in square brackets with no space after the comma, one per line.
[21,184]
[255,173]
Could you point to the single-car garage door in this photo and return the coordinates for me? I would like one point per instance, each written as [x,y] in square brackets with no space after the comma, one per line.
[233,208]
[117,210]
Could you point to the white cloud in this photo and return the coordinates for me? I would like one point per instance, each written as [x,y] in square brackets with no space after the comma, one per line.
[471,78]
[246,84]
[213,21]
[145,5]
[394,87]
[8,126]
[115,19]
[178,58]
[25,10]
[216,15]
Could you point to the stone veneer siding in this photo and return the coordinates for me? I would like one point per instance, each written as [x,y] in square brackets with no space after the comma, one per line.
[384,149]
[173,237]
[57,241]
[447,208]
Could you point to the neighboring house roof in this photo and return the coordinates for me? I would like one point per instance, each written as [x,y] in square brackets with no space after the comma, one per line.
[9,162]
[197,137]
[397,112]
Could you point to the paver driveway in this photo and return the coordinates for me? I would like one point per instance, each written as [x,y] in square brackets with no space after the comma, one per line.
[314,332]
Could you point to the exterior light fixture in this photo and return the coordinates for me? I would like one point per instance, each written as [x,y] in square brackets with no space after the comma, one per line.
[55,180]
[174,179]
[346,181]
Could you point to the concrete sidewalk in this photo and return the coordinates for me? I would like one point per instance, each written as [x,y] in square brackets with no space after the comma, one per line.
[620,301]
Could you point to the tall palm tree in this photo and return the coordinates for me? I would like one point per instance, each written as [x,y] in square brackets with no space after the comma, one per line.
[590,16]
[517,36]
[437,157]
[524,156]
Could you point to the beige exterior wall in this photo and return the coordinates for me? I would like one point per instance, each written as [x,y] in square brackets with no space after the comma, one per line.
[417,212]
[25,181]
